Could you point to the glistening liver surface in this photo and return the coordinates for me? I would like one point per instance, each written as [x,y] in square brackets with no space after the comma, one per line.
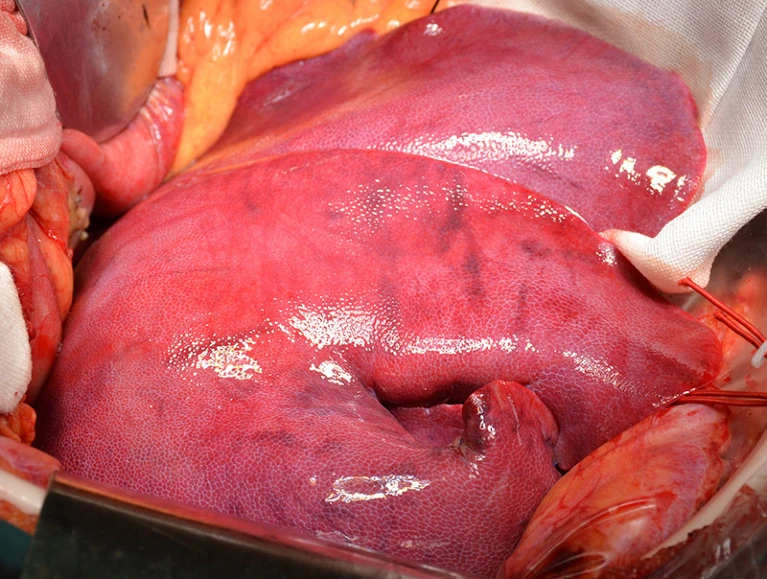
[238,337]
[532,100]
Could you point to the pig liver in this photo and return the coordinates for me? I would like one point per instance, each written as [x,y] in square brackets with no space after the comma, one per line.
[238,338]
[516,95]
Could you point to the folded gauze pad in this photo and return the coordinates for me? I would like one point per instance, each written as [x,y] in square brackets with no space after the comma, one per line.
[720,50]
[30,132]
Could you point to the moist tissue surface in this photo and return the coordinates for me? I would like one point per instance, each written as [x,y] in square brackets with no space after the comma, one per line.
[383,347]
[529,99]
[238,338]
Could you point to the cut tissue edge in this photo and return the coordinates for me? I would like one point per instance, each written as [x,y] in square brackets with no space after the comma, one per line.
[15,351]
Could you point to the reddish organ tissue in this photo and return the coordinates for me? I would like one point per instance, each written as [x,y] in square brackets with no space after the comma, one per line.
[19,425]
[362,278]
[365,314]
[34,234]
[603,514]
[526,98]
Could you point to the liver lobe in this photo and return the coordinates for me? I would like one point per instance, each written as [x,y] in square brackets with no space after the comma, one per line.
[238,337]
[529,99]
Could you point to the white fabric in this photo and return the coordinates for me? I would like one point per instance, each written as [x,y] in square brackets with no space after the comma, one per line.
[15,353]
[30,132]
[720,49]
[169,62]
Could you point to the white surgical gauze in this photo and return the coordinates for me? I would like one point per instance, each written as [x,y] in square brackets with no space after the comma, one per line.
[15,353]
[30,132]
[720,50]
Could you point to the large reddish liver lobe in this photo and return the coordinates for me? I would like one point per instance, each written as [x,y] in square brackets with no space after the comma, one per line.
[238,336]
[522,97]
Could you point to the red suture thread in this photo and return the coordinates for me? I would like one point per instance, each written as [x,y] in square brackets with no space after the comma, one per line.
[728,397]
[742,332]
[728,393]
[737,317]
[692,398]
[743,328]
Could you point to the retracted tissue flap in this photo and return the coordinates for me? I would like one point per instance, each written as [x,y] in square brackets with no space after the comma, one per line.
[720,50]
